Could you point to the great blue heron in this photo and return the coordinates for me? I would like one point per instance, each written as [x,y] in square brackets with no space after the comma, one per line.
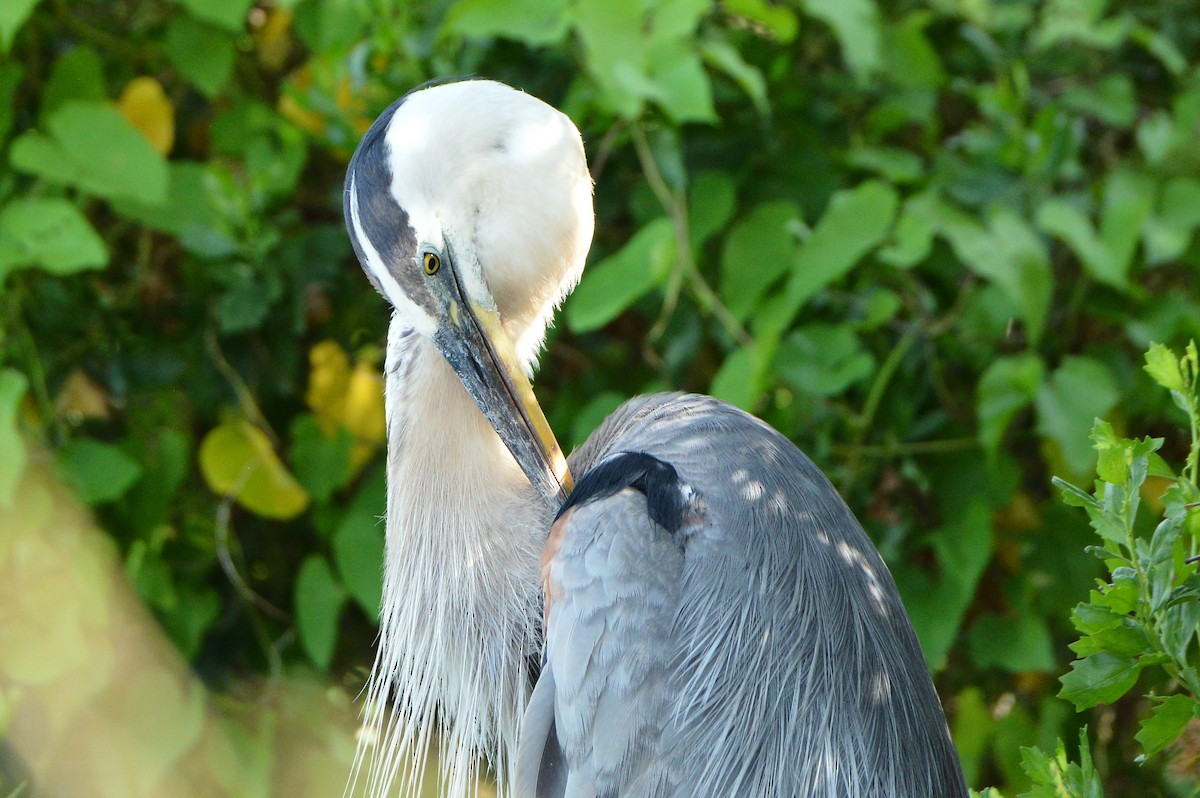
[717,622]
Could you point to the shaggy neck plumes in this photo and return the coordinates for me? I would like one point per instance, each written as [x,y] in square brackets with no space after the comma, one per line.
[458,622]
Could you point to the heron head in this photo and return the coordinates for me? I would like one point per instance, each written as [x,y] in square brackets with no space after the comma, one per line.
[469,206]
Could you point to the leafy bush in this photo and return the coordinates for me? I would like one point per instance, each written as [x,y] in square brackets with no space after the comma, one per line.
[929,241]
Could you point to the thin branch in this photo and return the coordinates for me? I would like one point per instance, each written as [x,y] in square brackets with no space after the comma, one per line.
[675,204]
[897,449]
[121,47]
[862,425]
[253,601]
[604,149]
[225,557]
[244,395]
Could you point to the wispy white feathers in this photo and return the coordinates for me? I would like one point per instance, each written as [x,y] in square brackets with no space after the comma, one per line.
[457,626]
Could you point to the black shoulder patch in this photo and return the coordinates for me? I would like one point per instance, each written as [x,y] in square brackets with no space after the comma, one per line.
[657,480]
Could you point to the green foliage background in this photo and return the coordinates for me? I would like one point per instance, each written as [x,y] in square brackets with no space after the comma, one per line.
[929,241]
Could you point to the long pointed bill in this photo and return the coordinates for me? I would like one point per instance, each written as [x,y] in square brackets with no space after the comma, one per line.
[479,351]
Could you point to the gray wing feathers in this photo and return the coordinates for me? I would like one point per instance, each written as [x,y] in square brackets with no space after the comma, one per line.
[541,771]
[615,583]
[795,669]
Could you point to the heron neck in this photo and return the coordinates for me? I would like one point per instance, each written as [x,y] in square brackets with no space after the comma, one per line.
[461,594]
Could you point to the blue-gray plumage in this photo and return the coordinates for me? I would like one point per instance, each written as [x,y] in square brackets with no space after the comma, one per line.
[759,647]
[716,621]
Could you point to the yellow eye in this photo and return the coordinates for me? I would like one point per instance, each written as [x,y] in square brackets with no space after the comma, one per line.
[431,263]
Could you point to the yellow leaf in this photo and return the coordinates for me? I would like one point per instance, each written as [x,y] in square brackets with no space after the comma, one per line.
[272,38]
[327,383]
[296,84]
[237,460]
[81,398]
[146,106]
[1152,491]
[364,405]
[306,120]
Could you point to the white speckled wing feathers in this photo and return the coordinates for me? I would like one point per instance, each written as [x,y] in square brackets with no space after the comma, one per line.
[788,668]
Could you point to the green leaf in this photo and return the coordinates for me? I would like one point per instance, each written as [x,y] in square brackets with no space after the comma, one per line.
[613,284]
[332,26]
[50,234]
[92,147]
[318,601]
[1166,722]
[78,74]
[723,56]
[912,238]
[1007,252]
[1156,137]
[227,14]
[1163,366]
[10,79]
[613,56]
[1107,255]
[1058,777]
[321,462]
[779,20]
[963,549]
[1123,639]
[759,250]
[681,86]
[1074,496]
[712,198]
[191,619]
[188,208]
[537,23]
[1099,679]
[881,306]
[972,728]
[166,460]
[358,546]
[1082,23]
[99,472]
[12,447]
[202,54]
[1121,596]
[1060,218]
[1007,386]
[823,360]
[739,380]
[1128,200]
[1158,44]
[1019,644]
[893,163]
[592,414]
[855,222]
[13,14]
[909,58]
[856,25]
[1170,229]
[250,295]
[677,19]
[1111,100]
[1079,388]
